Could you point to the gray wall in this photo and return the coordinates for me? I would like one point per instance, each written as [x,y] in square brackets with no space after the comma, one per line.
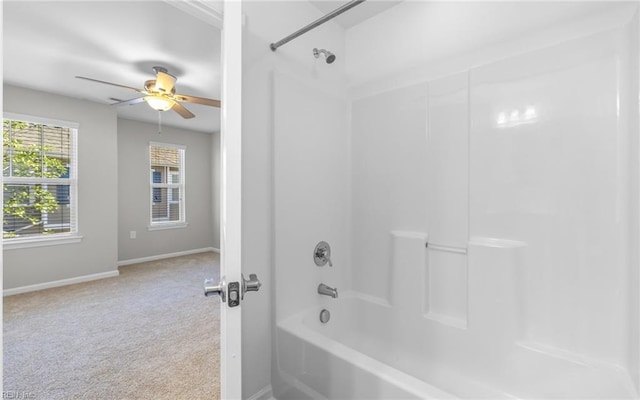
[113,185]
[216,199]
[97,193]
[133,191]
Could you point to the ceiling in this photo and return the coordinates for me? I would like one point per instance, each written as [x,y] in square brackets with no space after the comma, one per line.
[46,44]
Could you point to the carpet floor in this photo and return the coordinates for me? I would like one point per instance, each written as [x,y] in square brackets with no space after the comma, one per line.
[146,334]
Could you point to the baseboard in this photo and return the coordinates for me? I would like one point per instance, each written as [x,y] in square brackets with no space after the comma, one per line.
[62,282]
[263,394]
[163,256]
[93,277]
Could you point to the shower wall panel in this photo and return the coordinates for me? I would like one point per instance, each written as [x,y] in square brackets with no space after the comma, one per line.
[525,205]
[388,187]
[310,187]
[447,155]
[549,168]
[447,177]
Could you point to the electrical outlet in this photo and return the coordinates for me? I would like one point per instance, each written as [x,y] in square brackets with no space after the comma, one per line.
[132,234]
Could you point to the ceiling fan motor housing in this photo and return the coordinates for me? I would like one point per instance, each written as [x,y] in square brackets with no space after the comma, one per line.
[150,86]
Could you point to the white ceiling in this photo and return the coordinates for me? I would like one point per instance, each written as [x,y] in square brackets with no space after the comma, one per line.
[46,44]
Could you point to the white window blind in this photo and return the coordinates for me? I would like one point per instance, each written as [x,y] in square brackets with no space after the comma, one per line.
[39,178]
[167,182]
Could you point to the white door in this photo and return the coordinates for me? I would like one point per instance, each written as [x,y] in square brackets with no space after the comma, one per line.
[232,285]
[231,222]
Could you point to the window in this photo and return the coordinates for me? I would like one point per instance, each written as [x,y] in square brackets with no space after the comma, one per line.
[166,163]
[39,172]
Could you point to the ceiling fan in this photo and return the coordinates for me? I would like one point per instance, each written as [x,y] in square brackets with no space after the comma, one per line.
[160,94]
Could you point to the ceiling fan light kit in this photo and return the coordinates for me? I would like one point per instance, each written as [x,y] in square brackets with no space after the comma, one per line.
[160,94]
[159,103]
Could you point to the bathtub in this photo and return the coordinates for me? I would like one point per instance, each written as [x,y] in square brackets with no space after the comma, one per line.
[366,351]
[354,347]
[308,349]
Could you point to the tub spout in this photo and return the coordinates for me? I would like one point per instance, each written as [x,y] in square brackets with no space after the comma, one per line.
[327,291]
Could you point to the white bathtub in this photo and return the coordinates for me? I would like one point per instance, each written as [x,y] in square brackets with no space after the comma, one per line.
[308,349]
[365,352]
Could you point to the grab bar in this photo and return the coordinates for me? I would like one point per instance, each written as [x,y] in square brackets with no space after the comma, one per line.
[448,249]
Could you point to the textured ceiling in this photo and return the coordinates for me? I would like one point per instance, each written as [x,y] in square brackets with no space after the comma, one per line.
[46,44]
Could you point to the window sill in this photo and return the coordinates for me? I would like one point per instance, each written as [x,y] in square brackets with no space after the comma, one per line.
[167,225]
[10,244]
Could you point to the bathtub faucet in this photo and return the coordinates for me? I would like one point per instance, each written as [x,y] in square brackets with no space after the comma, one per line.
[327,291]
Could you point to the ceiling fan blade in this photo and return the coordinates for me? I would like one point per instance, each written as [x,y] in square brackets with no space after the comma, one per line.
[109,83]
[197,100]
[184,113]
[165,82]
[128,102]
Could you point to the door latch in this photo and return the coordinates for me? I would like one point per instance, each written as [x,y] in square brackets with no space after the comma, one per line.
[232,290]
[234,294]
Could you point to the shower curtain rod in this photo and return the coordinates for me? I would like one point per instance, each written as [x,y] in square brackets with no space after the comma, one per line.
[317,22]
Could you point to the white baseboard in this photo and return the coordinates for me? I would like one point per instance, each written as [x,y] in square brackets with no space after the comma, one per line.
[215,250]
[263,394]
[62,282]
[168,255]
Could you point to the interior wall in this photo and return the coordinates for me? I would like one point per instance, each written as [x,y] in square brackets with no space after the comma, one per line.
[133,191]
[216,161]
[268,22]
[97,193]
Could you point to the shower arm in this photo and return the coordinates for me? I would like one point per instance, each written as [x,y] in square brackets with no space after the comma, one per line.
[316,23]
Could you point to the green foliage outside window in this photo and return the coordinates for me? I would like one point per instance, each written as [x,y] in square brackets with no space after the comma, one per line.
[34,160]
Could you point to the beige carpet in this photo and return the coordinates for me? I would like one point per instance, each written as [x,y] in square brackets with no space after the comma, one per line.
[148,334]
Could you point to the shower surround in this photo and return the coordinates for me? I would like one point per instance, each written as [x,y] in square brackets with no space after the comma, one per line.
[481,207]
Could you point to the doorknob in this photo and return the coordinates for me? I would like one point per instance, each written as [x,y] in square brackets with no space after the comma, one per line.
[221,288]
[212,287]
[250,285]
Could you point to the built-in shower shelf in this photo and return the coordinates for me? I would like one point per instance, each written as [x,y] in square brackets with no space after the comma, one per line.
[447,320]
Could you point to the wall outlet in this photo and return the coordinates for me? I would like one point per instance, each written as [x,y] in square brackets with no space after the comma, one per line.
[132,234]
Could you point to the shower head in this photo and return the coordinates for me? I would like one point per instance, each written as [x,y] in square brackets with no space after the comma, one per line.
[330,57]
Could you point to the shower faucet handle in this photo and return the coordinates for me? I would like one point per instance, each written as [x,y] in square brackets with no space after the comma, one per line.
[322,254]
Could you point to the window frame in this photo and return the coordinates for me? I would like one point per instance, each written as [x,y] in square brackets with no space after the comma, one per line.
[73,236]
[167,174]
